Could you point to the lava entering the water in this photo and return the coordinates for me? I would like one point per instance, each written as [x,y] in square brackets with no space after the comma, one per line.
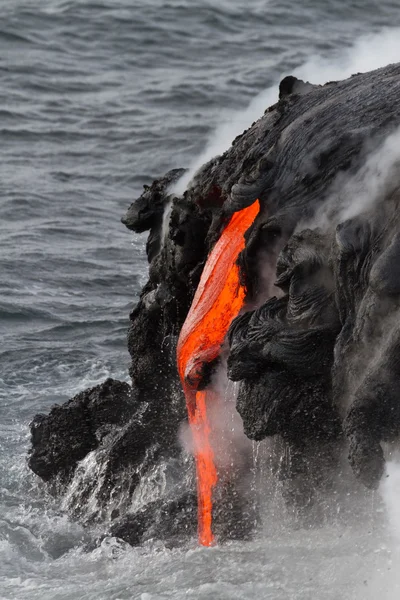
[218,299]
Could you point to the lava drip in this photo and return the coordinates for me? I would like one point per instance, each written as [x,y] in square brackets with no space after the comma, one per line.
[218,300]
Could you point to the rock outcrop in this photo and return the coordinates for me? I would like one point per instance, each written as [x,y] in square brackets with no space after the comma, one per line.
[69,432]
[317,350]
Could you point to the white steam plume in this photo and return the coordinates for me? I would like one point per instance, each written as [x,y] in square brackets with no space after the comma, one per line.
[230,445]
[368,53]
[354,195]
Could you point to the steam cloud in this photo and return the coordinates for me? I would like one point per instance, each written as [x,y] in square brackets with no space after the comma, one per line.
[230,445]
[355,195]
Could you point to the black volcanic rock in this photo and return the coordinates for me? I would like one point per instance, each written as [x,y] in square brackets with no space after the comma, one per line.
[316,353]
[147,211]
[65,436]
[164,520]
[283,354]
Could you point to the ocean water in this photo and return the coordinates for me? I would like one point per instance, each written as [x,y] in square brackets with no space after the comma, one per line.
[98,98]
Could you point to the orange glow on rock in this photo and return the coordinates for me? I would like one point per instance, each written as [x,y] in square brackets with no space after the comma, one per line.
[218,300]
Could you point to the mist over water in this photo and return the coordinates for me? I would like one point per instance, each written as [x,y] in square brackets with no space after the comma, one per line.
[97,99]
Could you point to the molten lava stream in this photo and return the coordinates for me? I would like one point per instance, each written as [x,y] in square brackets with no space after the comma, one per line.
[218,299]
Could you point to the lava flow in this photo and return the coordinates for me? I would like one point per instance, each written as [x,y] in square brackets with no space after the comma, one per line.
[218,299]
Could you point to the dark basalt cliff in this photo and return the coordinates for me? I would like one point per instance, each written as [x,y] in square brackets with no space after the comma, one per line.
[317,353]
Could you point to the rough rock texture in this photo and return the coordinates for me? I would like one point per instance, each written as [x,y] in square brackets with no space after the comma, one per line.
[65,436]
[283,354]
[317,354]
[168,521]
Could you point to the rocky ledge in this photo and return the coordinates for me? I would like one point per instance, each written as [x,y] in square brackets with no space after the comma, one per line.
[317,350]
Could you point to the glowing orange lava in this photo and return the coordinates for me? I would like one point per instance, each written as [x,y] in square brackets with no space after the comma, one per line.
[218,299]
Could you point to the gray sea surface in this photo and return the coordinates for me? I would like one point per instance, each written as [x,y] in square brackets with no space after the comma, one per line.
[98,98]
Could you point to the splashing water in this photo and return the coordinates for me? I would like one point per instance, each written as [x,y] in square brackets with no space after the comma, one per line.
[386,582]
[218,299]
[390,491]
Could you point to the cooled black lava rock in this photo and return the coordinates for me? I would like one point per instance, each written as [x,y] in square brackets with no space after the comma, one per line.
[65,436]
[147,211]
[316,146]
[283,354]
[316,355]
[173,520]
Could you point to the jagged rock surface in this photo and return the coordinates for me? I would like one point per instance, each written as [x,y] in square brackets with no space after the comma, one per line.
[317,355]
[65,436]
[167,521]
